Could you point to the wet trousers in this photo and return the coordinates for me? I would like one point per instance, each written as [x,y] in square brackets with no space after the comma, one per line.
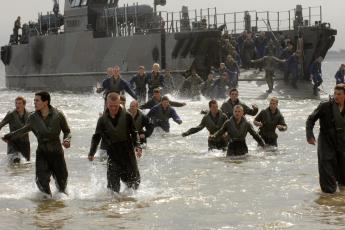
[217,144]
[270,141]
[237,148]
[331,172]
[22,147]
[141,94]
[122,165]
[51,164]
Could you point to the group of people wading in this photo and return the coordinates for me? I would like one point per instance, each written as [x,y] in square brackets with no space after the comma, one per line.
[121,132]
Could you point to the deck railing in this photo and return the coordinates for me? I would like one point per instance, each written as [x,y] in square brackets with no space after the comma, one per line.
[235,22]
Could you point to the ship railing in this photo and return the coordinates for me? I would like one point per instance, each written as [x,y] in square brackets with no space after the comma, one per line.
[235,22]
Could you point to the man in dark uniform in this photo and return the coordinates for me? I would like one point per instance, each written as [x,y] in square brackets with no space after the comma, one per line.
[16,119]
[316,74]
[292,68]
[161,113]
[331,141]
[207,86]
[47,123]
[140,82]
[17,26]
[157,98]
[117,129]
[192,85]
[213,121]
[247,51]
[141,122]
[169,85]
[116,84]
[220,85]
[234,71]
[228,106]
[260,46]
[237,128]
[110,74]
[155,79]
[268,121]
[340,75]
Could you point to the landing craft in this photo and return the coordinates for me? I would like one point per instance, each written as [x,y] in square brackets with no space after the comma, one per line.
[73,50]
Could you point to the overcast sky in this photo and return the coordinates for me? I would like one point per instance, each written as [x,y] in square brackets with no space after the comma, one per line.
[333,11]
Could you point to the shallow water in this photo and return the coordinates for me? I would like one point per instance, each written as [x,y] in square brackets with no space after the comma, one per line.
[183,185]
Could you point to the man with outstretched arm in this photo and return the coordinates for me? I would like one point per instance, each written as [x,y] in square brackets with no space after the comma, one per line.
[213,121]
[161,113]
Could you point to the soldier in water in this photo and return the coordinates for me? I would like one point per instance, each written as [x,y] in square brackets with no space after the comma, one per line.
[157,98]
[141,122]
[331,141]
[116,127]
[268,121]
[139,82]
[213,121]
[116,84]
[192,85]
[316,74]
[16,119]
[161,113]
[228,106]
[237,128]
[47,123]
[155,79]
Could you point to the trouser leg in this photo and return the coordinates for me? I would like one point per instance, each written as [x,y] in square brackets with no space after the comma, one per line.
[269,81]
[113,176]
[219,144]
[59,171]
[43,173]
[286,73]
[270,141]
[327,176]
[341,169]
[237,148]
[294,77]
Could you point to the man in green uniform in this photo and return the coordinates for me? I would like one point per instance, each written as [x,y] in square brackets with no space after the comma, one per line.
[141,122]
[237,128]
[117,129]
[47,123]
[207,87]
[268,121]
[16,119]
[269,63]
[213,121]
[157,98]
[228,106]
[331,141]
[192,85]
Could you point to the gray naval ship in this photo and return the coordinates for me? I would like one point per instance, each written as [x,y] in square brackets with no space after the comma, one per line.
[73,50]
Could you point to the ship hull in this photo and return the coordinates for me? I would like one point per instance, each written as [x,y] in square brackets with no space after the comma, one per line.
[77,61]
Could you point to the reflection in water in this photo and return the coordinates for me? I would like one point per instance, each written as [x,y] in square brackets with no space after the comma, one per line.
[51,214]
[332,208]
